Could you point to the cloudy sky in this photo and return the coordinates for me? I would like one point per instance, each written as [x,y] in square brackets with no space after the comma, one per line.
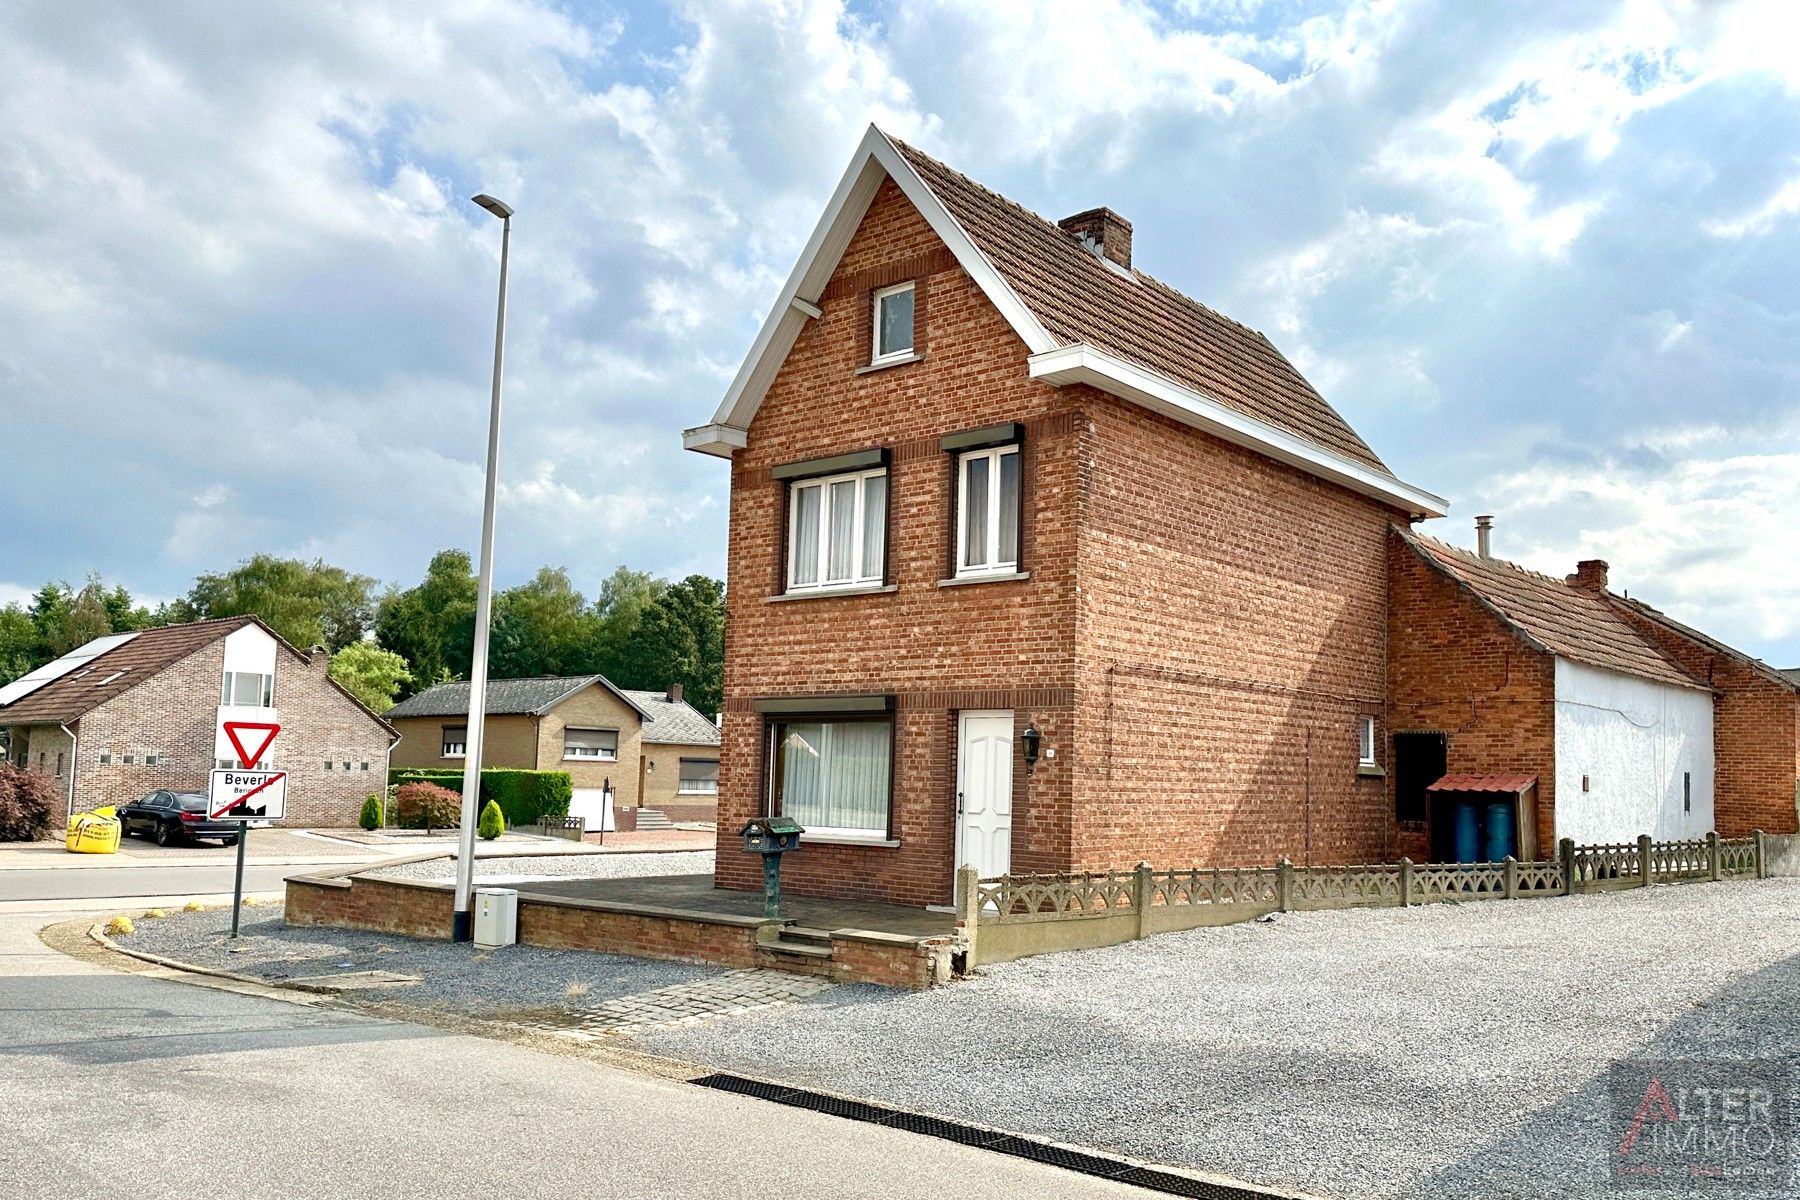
[1543,257]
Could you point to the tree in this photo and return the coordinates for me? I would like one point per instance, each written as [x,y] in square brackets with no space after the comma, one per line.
[87,619]
[309,604]
[18,643]
[681,639]
[371,674]
[624,598]
[541,627]
[432,625]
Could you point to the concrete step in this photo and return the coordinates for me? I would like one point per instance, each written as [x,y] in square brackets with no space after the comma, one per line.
[800,935]
[653,818]
[798,949]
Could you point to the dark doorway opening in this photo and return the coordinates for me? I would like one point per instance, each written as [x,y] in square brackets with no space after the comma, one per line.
[1420,760]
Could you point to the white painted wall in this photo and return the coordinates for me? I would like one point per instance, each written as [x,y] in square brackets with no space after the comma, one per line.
[251,648]
[1633,738]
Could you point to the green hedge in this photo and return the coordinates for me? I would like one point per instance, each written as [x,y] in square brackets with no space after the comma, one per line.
[523,796]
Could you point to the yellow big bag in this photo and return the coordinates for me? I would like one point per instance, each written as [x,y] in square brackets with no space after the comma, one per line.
[94,832]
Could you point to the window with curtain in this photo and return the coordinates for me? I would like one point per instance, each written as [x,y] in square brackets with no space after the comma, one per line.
[987,505]
[250,689]
[699,777]
[834,775]
[837,531]
[602,744]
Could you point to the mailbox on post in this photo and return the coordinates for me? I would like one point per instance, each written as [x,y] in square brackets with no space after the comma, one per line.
[771,837]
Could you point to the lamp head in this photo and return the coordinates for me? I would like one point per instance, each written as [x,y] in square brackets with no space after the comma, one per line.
[499,208]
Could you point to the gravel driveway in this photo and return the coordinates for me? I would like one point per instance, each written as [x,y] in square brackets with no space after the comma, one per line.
[559,866]
[1448,1050]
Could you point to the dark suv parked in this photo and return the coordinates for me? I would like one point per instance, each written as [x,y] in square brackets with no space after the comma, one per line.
[174,817]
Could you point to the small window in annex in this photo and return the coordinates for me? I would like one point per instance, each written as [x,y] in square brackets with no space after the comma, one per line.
[893,336]
[599,744]
[1365,741]
[456,738]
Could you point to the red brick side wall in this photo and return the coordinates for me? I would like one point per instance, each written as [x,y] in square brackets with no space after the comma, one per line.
[174,716]
[1756,733]
[378,904]
[939,650]
[1233,629]
[1454,668]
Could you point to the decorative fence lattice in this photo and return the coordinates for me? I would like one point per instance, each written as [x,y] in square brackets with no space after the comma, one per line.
[1018,915]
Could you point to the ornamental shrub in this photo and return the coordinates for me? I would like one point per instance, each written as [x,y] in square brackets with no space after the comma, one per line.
[27,798]
[492,824]
[371,812]
[427,806]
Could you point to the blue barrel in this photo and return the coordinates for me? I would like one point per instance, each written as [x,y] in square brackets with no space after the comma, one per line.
[1500,840]
[1465,831]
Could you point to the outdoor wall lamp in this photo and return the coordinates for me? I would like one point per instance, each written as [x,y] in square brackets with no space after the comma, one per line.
[1031,739]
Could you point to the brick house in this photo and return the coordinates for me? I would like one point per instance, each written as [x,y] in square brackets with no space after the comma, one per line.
[656,753]
[1756,718]
[1497,670]
[130,713]
[1036,563]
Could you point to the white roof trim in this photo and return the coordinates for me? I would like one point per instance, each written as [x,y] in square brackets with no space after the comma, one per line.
[876,158]
[1085,364]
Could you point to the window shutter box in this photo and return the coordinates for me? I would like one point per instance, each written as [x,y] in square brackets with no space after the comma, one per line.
[824,704]
[860,460]
[983,438]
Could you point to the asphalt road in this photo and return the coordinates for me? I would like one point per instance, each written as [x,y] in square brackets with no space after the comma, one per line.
[121,1085]
[173,880]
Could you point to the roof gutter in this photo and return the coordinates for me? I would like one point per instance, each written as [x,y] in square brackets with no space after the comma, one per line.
[1086,364]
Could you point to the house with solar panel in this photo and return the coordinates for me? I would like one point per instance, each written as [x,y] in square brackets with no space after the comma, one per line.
[133,713]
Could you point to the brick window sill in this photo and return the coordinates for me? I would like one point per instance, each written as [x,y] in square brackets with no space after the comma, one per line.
[1369,771]
[885,363]
[827,593]
[965,580]
[867,843]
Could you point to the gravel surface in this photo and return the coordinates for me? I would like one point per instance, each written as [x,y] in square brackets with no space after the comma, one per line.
[483,982]
[1447,1050]
[560,866]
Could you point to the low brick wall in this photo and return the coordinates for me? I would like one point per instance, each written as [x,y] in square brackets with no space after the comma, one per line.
[347,900]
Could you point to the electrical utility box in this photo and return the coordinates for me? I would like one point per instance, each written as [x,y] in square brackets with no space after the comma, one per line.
[496,917]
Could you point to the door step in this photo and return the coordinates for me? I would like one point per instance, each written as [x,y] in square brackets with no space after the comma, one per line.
[801,942]
[652,818]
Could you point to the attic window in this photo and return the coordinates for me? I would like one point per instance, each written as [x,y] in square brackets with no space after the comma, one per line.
[893,336]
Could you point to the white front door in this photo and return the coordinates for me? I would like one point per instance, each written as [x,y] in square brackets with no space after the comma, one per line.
[984,792]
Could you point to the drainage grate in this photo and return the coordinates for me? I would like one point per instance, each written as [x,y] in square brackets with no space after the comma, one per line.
[1068,1158]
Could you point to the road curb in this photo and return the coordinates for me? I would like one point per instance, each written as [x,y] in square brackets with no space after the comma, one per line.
[97,932]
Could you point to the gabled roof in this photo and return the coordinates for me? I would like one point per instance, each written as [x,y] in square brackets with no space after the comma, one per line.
[506,697]
[674,722]
[1549,614]
[1789,679]
[1082,319]
[148,653]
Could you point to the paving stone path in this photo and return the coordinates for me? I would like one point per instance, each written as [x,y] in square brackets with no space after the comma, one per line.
[730,993]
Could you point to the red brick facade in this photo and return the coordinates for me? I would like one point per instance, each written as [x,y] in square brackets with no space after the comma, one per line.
[1454,668]
[1200,629]
[1756,732]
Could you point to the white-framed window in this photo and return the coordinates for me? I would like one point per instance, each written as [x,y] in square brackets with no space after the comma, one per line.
[892,337]
[1365,741]
[456,741]
[987,511]
[837,530]
[699,777]
[833,774]
[599,744]
[248,689]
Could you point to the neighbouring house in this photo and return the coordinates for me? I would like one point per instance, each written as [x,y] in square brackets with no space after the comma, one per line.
[1756,718]
[1494,670]
[655,754]
[132,713]
[1036,563]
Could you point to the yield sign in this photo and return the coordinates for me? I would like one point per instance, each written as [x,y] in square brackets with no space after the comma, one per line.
[251,757]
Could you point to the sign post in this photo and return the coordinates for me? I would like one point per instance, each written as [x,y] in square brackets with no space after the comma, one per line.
[246,794]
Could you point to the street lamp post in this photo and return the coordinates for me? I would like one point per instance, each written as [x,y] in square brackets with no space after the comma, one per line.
[463,924]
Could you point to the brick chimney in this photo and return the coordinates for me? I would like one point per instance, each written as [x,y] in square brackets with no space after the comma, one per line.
[675,693]
[1590,575]
[1106,229]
